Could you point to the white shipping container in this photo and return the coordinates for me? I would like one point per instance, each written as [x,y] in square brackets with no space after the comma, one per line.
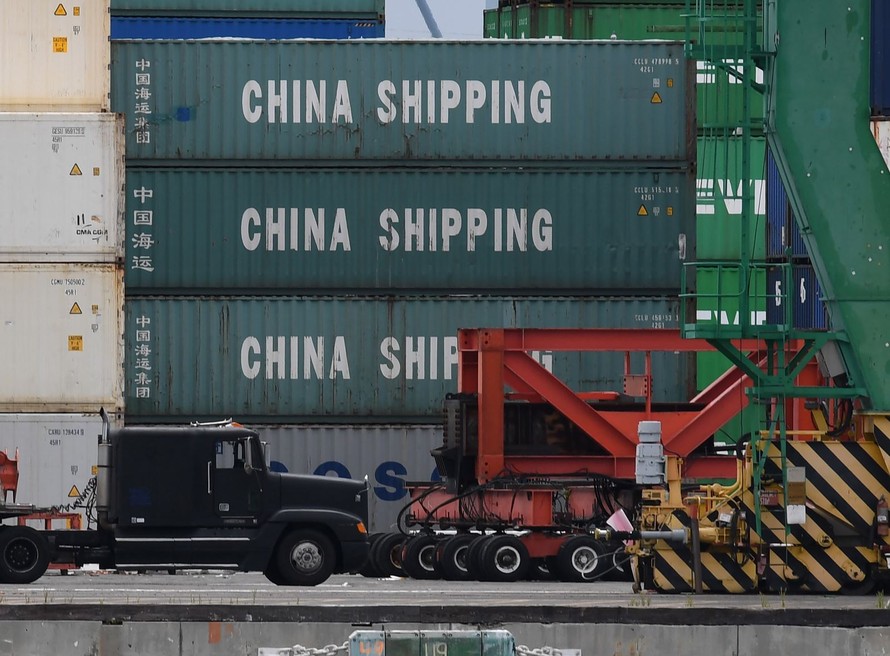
[389,455]
[55,55]
[881,131]
[62,184]
[61,337]
[57,456]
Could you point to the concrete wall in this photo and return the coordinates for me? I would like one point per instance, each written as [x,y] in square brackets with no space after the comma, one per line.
[20,638]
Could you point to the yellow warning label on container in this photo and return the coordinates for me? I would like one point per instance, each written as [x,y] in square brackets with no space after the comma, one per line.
[60,44]
[75,170]
[76,11]
[75,309]
[656,99]
[670,83]
[73,492]
[95,170]
[60,11]
[94,470]
[75,342]
[642,211]
[670,211]
[95,309]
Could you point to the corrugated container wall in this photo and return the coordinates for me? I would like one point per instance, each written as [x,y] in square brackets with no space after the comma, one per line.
[388,455]
[132,27]
[808,311]
[62,184]
[293,8]
[61,337]
[57,456]
[719,193]
[880,58]
[778,221]
[403,100]
[719,95]
[335,359]
[54,56]
[384,229]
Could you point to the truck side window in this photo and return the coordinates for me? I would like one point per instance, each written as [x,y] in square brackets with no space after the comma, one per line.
[230,454]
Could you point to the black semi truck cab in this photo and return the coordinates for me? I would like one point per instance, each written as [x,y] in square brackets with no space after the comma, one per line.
[202,496]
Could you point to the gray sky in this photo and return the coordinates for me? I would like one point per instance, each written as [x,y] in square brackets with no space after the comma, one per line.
[458,19]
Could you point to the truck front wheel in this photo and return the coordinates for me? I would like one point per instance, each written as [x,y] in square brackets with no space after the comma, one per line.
[305,557]
[24,555]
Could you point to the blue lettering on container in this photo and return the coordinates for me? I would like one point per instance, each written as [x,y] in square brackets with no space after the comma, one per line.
[392,488]
[332,466]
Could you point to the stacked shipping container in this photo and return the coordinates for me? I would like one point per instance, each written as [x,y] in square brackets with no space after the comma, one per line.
[61,274]
[266,19]
[310,223]
[719,112]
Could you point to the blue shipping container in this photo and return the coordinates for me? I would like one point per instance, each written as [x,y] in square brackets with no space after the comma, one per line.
[243,28]
[880,58]
[808,310]
[776,210]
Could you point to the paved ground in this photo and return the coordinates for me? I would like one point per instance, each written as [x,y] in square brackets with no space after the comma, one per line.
[253,590]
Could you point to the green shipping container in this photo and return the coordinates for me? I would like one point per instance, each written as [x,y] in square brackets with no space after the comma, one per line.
[370,9]
[373,229]
[355,359]
[490,23]
[715,304]
[719,95]
[718,203]
[344,101]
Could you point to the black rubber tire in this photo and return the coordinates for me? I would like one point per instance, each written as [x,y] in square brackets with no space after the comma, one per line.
[271,573]
[24,554]
[581,560]
[474,553]
[369,569]
[419,557]
[541,569]
[387,554]
[504,559]
[305,557]
[451,557]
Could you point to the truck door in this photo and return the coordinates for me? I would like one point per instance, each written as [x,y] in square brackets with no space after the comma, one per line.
[237,492]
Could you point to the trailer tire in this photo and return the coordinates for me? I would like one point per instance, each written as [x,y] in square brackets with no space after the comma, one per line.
[369,569]
[419,557]
[305,557]
[24,555]
[474,557]
[504,559]
[387,554]
[451,557]
[581,559]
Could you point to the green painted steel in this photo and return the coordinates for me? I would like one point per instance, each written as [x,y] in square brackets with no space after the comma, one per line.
[719,199]
[439,101]
[719,96]
[715,304]
[356,359]
[371,9]
[836,179]
[490,23]
[382,230]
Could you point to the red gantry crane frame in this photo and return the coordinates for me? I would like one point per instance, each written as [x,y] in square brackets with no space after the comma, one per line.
[491,360]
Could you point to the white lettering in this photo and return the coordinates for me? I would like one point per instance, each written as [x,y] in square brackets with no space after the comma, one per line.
[434,229]
[252,90]
[280,358]
[281,229]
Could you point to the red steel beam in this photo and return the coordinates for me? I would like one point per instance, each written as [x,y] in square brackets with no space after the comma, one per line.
[568,403]
[705,467]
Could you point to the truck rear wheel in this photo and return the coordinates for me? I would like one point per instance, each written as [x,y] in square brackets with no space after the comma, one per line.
[305,557]
[580,559]
[24,555]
